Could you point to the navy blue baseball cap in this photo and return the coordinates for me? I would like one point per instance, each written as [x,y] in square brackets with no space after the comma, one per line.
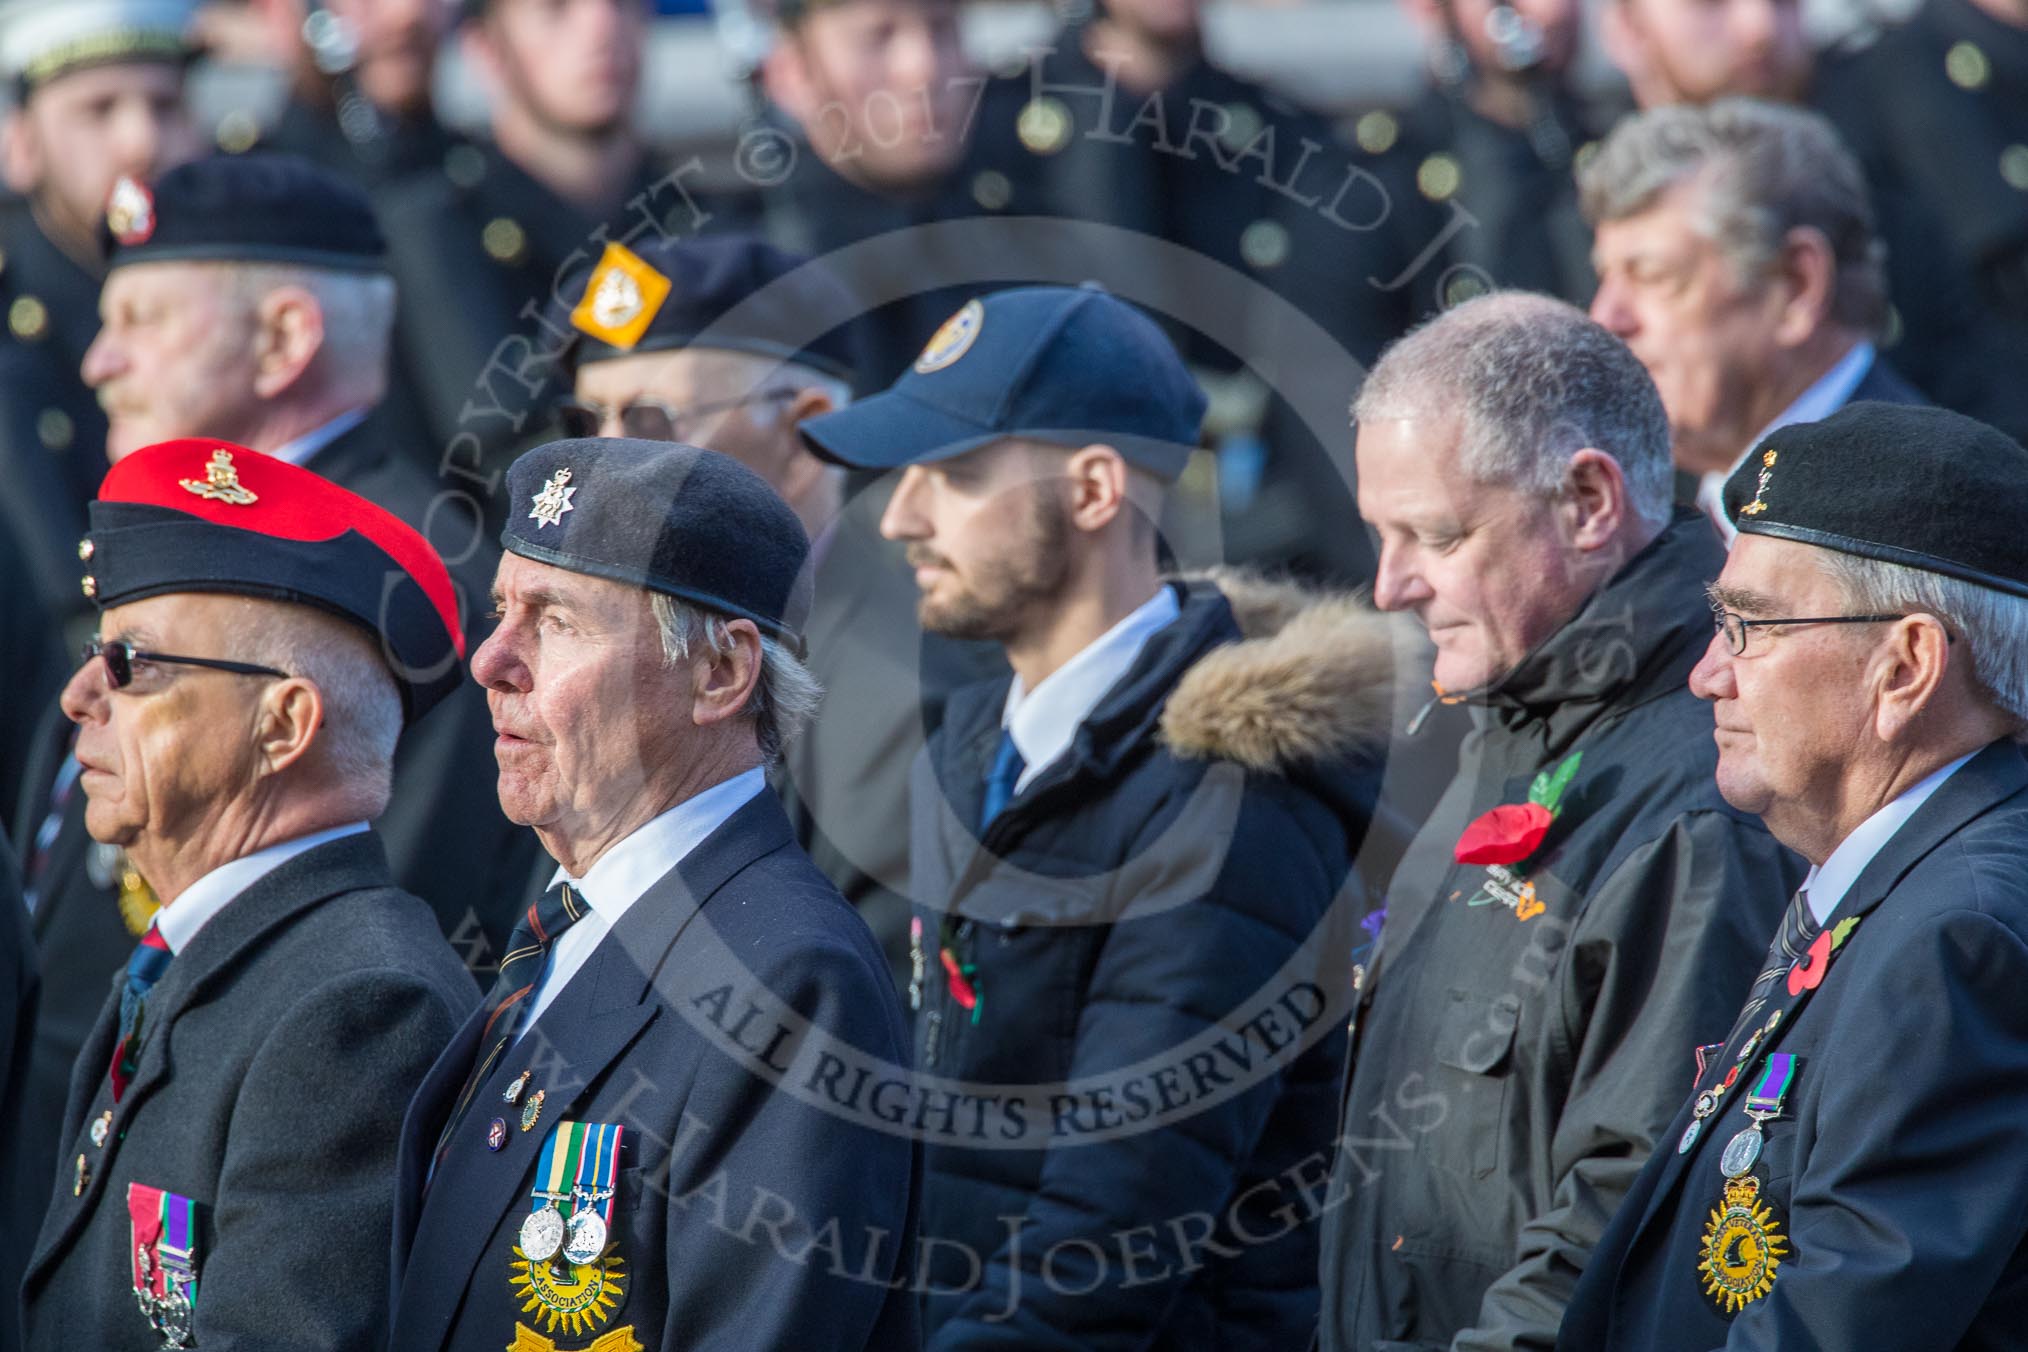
[1071,365]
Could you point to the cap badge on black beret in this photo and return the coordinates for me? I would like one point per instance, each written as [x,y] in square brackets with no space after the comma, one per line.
[1759,503]
[953,339]
[130,211]
[621,298]
[221,482]
[553,501]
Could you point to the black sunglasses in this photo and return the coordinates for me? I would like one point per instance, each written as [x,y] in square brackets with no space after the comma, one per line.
[120,657]
[650,419]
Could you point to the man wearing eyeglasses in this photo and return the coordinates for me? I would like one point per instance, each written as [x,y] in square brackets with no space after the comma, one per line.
[1845,1171]
[731,344]
[230,1132]
[1582,910]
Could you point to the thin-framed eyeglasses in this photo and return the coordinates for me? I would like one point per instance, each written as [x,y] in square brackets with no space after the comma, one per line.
[119,659]
[1734,626]
[651,419]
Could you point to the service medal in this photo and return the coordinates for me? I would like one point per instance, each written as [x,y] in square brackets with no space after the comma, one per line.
[512,1094]
[1690,1135]
[1742,1152]
[587,1237]
[1743,1247]
[533,1112]
[102,1126]
[542,1234]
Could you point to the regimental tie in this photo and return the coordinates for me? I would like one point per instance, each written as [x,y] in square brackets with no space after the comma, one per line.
[144,969]
[1798,929]
[521,970]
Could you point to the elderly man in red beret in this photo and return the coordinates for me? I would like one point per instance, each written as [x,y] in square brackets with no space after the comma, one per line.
[231,1126]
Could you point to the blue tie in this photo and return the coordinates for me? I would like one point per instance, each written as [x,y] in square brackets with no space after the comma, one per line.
[144,969]
[1001,779]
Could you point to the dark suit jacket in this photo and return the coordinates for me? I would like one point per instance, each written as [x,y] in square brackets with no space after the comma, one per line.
[1894,1172]
[278,1052]
[1883,384]
[22,1181]
[748,1217]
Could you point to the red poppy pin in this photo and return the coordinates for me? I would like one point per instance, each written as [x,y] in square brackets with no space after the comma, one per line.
[1510,833]
[1808,973]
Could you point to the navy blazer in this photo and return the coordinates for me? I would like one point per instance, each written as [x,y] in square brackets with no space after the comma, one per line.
[752,1211]
[1890,1189]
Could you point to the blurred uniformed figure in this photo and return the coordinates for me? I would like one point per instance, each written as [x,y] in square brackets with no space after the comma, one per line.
[247,300]
[1842,1171]
[729,343]
[360,75]
[1497,131]
[96,88]
[1737,258]
[229,1135]
[1940,334]
[481,243]
[24,1179]
[569,1168]
[1940,104]
[875,109]
[1126,121]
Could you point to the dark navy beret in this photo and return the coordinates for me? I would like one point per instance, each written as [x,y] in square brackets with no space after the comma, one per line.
[735,292]
[202,515]
[1900,483]
[255,208]
[672,518]
[1071,365]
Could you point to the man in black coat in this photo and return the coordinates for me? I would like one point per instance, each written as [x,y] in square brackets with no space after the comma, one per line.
[246,300]
[1125,858]
[231,1123]
[633,1142]
[1737,258]
[1842,1172]
[95,91]
[1578,912]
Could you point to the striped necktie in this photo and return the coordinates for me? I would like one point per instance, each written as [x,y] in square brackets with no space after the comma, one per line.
[1798,930]
[144,969]
[514,988]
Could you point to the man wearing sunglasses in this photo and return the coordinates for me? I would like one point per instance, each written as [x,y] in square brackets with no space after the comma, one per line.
[731,344]
[265,637]
[1845,1170]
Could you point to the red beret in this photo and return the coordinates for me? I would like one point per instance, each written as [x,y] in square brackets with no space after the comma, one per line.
[201,515]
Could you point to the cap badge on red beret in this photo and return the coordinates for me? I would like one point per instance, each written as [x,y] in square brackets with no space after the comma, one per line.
[221,482]
[1759,503]
[553,501]
[130,212]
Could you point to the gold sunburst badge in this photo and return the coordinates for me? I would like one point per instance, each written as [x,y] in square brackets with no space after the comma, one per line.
[1759,503]
[1743,1247]
[580,1300]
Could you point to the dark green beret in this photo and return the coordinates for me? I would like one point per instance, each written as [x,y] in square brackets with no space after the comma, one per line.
[676,519]
[1900,483]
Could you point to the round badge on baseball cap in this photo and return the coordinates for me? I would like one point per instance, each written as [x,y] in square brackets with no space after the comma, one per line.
[1075,366]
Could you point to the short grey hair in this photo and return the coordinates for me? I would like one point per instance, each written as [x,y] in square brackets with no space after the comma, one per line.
[787,695]
[1533,381]
[358,310]
[362,708]
[1766,169]
[1992,625]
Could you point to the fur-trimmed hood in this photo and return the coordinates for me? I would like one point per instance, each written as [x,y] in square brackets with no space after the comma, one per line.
[1311,681]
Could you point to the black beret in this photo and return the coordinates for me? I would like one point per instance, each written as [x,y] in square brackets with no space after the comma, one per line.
[735,292]
[257,208]
[1900,483]
[672,518]
[201,515]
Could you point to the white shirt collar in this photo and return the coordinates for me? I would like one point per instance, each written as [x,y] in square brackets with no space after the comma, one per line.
[1044,721]
[1830,881]
[1827,394]
[627,870]
[300,450]
[180,920]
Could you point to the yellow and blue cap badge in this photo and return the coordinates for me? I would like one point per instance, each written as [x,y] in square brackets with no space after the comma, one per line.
[621,298]
[953,338]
